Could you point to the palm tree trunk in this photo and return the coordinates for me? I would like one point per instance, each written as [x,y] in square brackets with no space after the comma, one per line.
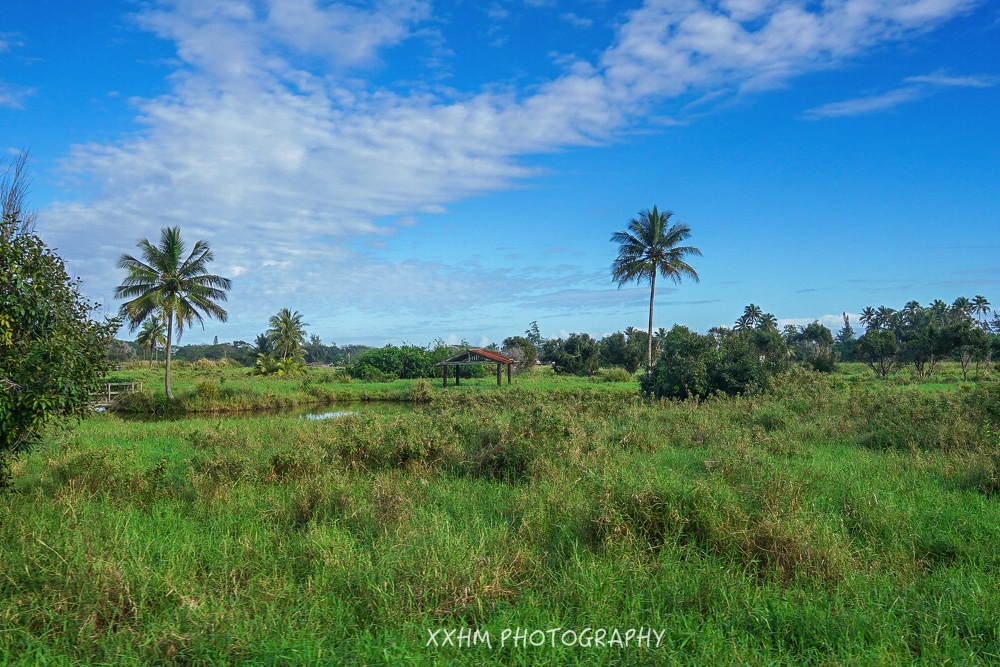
[170,333]
[649,352]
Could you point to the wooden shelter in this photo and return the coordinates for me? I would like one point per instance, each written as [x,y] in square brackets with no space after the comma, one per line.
[472,357]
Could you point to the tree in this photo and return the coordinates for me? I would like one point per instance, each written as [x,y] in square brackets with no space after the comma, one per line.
[534,336]
[768,321]
[981,307]
[624,350]
[846,333]
[263,344]
[522,350]
[287,332]
[879,350]
[577,355]
[53,353]
[15,220]
[752,315]
[152,335]
[868,318]
[649,248]
[732,362]
[166,283]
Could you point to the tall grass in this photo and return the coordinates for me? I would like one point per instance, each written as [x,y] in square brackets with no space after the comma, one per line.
[814,524]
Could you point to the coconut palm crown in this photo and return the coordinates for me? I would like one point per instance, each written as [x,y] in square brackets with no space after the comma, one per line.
[287,332]
[168,284]
[152,335]
[650,247]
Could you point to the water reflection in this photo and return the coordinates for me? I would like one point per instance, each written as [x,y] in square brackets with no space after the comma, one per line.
[312,412]
[316,416]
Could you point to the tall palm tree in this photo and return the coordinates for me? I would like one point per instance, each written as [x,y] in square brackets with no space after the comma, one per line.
[287,332]
[166,283]
[649,247]
[152,335]
[868,317]
[961,309]
[884,317]
[981,307]
[753,314]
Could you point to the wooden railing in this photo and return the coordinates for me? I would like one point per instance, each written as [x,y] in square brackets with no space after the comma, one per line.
[111,392]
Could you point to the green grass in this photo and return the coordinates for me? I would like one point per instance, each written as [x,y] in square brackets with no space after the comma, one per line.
[215,387]
[827,522]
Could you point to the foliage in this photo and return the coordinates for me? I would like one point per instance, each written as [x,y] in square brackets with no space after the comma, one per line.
[53,354]
[534,336]
[577,355]
[522,351]
[287,333]
[813,346]
[152,336]
[391,362]
[696,365]
[879,350]
[166,284]
[649,248]
[626,349]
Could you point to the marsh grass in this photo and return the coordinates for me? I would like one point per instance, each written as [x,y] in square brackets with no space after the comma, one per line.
[822,522]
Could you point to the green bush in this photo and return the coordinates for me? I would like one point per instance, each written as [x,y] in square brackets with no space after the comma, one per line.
[737,362]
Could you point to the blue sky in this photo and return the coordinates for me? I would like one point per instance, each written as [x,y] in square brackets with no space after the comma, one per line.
[403,170]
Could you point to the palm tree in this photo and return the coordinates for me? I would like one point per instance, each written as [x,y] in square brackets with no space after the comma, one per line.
[753,313]
[981,307]
[287,332]
[743,323]
[165,283]
[768,321]
[649,247]
[938,310]
[152,336]
[961,309]
[867,317]
[884,317]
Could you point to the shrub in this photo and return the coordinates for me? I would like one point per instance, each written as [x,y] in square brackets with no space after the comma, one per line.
[616,374]
[736,362]
[577,355]
[52,354]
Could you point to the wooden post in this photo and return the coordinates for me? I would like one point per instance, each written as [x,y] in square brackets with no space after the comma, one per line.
[508,373]
[456,375]
[498,375]
[444,376]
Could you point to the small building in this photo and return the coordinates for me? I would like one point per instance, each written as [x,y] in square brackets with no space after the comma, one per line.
[472,357]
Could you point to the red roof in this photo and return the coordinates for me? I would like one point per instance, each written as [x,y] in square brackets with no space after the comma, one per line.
[464,357]
[489,354]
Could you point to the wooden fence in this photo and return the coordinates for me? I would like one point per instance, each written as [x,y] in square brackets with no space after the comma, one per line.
[112,392]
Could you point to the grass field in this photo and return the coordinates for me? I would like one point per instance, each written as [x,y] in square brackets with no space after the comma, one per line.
[831,521]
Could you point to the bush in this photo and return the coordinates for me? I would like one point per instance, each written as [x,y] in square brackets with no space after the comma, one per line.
[615,374]
[52,354]
[407,362]
[736,362]
[577,355]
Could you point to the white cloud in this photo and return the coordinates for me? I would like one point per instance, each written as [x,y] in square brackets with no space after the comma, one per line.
[866,105]
[288,161]
[576,20]
[13,96]
[918,87]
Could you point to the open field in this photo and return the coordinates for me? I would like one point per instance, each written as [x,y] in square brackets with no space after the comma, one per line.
[213,387]
[831,521]
[218,387]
